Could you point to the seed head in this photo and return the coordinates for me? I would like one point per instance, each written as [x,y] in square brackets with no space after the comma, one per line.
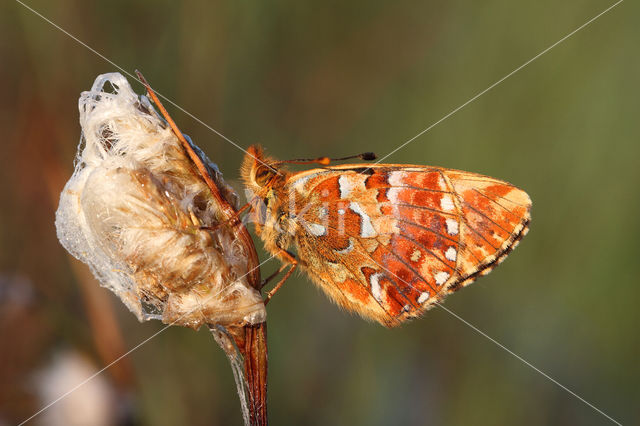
[136,209]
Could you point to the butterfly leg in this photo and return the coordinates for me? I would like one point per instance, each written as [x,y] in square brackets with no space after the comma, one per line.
[292,262]
[272,276]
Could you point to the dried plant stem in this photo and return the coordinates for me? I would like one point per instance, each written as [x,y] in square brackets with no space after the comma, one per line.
[255,369]
[248,351]
[246,348]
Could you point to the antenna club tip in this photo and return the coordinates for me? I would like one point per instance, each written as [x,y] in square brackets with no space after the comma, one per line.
[369,156]
[324,161]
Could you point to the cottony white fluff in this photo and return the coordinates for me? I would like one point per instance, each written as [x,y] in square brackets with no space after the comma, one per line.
[133,211]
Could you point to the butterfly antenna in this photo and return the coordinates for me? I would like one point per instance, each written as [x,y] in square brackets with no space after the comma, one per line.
[325,161]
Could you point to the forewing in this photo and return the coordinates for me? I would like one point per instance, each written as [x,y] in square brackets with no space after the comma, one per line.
[389,241]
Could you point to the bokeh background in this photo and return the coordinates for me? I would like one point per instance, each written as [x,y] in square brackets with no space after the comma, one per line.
[337,78]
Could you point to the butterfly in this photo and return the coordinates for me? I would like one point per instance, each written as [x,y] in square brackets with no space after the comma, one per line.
[386,241]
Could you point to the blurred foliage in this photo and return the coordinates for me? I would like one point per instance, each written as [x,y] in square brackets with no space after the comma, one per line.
[337,78]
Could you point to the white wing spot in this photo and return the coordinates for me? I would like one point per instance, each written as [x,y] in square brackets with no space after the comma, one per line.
[415,256]
[392,194]
[316,229]
[346,186]
[441,277]
[300,184]
[452,226]
[446,203]
[323,212]
[376,291]
[366,228]
[451,254]
[340,211]
[396,178]
[423,297]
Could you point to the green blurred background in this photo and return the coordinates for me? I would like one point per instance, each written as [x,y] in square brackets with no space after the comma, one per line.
[337,78]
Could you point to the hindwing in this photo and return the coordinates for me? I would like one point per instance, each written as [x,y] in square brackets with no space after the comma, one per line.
[389,241]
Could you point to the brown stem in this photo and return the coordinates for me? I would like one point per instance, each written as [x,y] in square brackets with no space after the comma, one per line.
[255,369]
[251,340]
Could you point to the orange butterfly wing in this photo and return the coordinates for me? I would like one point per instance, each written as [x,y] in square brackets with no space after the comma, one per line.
[389,241]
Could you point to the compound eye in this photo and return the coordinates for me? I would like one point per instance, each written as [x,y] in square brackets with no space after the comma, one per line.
[263,175]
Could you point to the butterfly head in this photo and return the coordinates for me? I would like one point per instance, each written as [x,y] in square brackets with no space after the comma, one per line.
[260,172]
[265,177]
